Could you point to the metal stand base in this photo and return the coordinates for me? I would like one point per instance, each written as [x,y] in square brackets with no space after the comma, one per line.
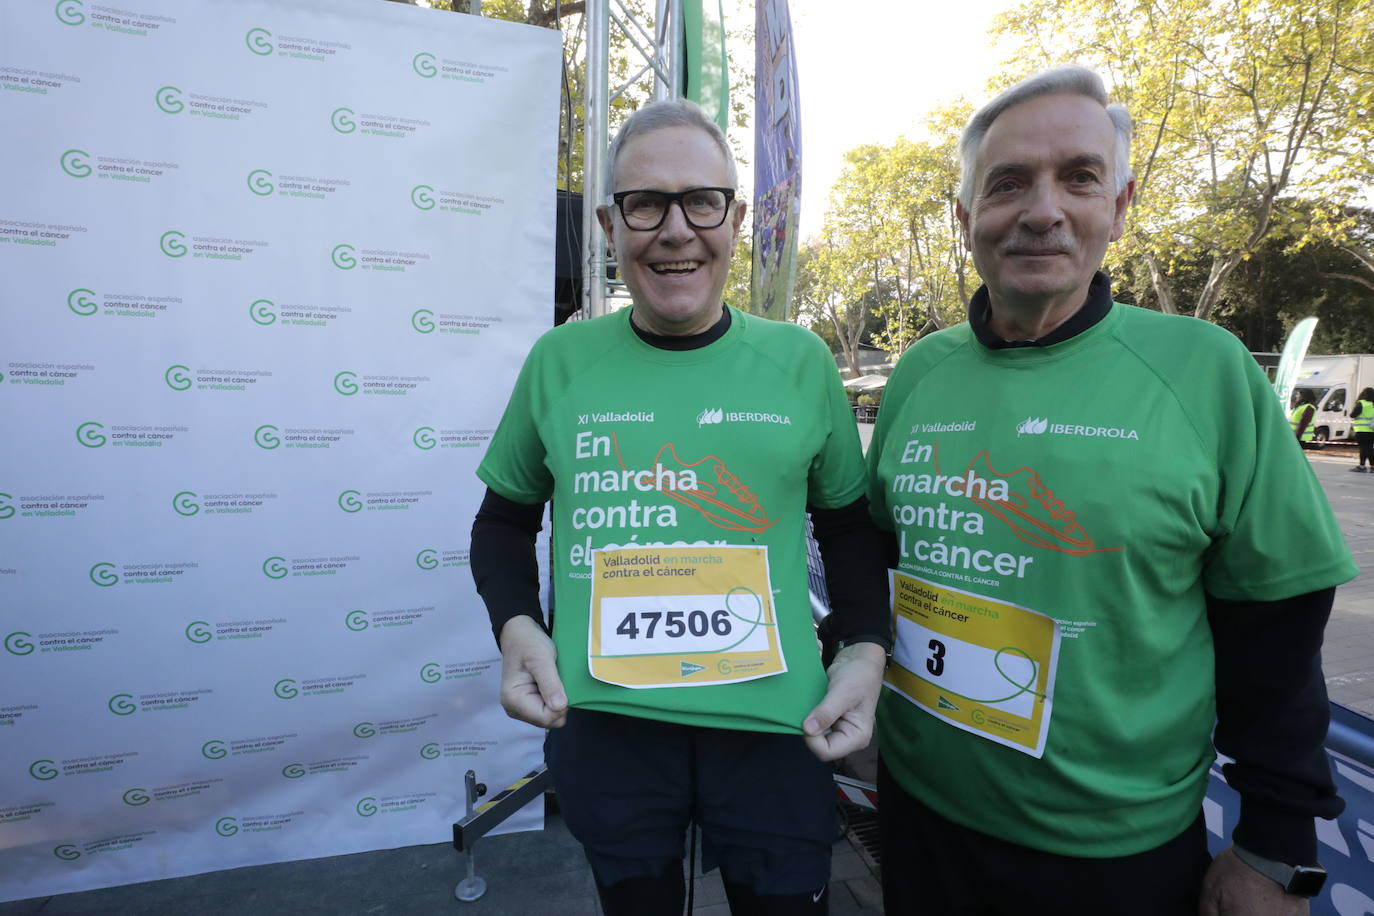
[470,889]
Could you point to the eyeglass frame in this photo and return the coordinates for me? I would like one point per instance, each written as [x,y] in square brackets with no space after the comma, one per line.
[670,198]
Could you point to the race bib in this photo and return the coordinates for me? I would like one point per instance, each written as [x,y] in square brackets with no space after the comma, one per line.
[977,663]
[682,616]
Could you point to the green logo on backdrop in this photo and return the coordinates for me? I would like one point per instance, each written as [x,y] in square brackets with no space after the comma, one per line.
[173,243]
[430,673]
[17,643]
[349,502]
[89,434]
[341,120]
[258,183]
[427,559]
[364,730]
[176,377]
[261,311]
[293,771]
[121,704]
[78,303]
[136,797]
[342,256]
[430,751]
[357,622]
[422,320]
[169,100]
[366,806]
[43,770]
[266,437]
[257,42]
[185,503]
[66,851]
[424,64]
[69,13]
[346,383]
[422,196]
[285,688]
[74,163]
[103,574]
[6,510]
[424,438]
[227,826]
[214,749]
[274,567]
[197,631]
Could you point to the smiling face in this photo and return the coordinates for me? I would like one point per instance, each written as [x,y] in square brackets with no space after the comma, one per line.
[675,273]
[1044,204]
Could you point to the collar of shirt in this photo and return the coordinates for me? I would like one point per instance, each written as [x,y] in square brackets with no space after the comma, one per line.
[689,341]
[1093,310]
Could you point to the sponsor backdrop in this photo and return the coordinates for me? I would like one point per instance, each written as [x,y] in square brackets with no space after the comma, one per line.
[267,271]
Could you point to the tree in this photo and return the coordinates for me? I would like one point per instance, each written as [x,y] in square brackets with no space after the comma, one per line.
[828,291]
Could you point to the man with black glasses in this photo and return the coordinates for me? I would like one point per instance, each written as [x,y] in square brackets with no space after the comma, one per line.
[682,442]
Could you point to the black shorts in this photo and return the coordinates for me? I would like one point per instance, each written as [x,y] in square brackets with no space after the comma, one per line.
[628,788]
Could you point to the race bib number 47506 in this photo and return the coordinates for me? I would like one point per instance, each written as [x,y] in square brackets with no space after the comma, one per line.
[682,616]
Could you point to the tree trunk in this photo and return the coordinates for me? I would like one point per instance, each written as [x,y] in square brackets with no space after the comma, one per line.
[1160,284]
[1222,265]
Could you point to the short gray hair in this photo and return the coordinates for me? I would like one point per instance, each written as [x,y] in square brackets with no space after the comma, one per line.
[1059,81]
[668,113]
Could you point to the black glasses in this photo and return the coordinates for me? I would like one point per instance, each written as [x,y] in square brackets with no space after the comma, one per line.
[703,208]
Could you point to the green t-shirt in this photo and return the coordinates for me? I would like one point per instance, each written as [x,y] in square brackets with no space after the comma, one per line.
[1126,471]
[638,446]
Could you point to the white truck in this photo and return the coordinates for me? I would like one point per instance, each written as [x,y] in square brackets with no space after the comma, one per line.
[1336,381]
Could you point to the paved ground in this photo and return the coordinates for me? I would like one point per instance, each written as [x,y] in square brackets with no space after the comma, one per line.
[544,872]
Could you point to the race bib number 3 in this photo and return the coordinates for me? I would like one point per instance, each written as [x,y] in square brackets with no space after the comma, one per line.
[979,664]
[682,617]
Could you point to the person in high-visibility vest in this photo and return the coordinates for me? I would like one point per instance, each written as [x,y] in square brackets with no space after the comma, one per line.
[1301,418]
[1362,423]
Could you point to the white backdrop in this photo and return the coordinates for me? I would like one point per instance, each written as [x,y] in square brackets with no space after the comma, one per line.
[267,272]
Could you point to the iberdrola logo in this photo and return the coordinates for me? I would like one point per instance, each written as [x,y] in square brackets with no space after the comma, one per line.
[710,416]
[1032,426]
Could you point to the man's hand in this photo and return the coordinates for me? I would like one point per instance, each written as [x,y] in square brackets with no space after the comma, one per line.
[531,690]
[843,722]
[1232,888]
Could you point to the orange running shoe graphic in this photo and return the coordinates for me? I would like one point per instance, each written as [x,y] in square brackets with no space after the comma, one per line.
[721,497]
[1033,511]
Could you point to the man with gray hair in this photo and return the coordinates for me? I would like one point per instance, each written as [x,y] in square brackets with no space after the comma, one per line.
[1105,542]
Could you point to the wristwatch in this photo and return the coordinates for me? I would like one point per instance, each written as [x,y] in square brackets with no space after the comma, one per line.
[1298,880]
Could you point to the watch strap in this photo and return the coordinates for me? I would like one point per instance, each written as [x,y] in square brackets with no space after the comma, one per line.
[1299,880]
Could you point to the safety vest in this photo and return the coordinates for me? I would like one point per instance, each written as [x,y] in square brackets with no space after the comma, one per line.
[1364,421]
[1295,420]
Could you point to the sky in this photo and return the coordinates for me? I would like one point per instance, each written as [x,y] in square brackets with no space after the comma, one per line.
[869,71]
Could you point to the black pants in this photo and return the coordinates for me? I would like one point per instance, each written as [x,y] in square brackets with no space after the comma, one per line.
[934,867]
[1366,443]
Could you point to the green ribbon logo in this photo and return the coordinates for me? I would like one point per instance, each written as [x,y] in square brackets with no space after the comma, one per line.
[214,749]
[422,196]
[424,65]
[43,770]
[227,826]
[274,567]
[6,510]
[169,99]
[266,437]
[261,311]
[89,435]
[67,851]
[366,806]
[103,574]
[176,378]
[173,244]
[422,320]
[121,704]
[293,771]
[364,730]
[357,622]
[286,688]
[430,673]
[256,40]
[424,438]
[430,751]
[197,631]
[78,302]
[74,163]
[341,121]
[349,502]
[427,559]
[346,383]
[258,183]
[17,643]
[185,503]
[69,13]
[342,256]
[136,797]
